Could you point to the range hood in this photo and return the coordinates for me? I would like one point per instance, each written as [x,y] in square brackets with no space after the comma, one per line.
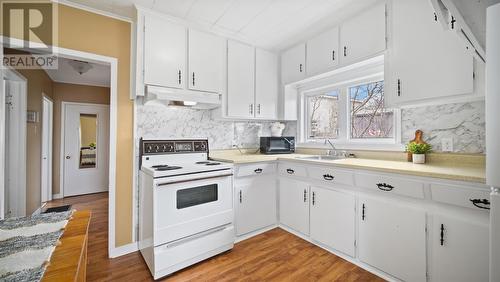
[182,97]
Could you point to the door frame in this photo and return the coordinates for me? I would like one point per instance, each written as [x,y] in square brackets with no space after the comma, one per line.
[113,251]
[21,138]
[62,142]
[48,193]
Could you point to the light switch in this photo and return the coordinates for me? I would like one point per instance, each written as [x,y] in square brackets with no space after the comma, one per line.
[447,144]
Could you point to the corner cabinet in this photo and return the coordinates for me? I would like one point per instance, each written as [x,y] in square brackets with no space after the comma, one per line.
[363,36]
[425,61]
[294,204]
[293,64]
[392,238]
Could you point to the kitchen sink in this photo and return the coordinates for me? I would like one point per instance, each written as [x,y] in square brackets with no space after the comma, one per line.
[321,157]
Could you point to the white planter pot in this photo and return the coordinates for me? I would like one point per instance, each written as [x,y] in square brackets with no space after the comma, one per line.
[418,158]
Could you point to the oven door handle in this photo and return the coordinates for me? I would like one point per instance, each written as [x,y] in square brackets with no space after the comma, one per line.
[195,179]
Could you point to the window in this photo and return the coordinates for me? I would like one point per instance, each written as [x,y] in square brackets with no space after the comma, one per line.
[349,113]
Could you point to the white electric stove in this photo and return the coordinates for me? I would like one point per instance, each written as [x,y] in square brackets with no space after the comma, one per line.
[185,204]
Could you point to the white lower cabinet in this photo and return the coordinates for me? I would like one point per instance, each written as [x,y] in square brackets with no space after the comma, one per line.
[294,204]
[460,249]
[255,203]
[392,238]
[333,218]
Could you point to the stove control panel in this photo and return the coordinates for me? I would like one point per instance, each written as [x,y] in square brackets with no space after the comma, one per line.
[156,147]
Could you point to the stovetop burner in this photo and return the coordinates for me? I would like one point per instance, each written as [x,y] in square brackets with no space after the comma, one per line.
[165,167]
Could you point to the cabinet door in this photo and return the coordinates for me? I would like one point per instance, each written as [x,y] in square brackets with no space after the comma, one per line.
[463,253]
[323,52]
[294,205]
[392,238]
[266,84]
[206,60]
[164,56]
[333,219]
[426,61]
[240,80]
[363,36]
[255,204]
[293,64]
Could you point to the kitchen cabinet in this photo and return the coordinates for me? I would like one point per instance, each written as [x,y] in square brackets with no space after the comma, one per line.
[364,35]
[255,198]
[205,61]
[323,52]
[293,64]
[333,219]
[164,56]
[266,84]
[240,80]
[392,238]
[425,61]
[294,204]
[460,249]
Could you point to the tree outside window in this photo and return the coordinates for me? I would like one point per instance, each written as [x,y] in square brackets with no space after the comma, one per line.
[323,116]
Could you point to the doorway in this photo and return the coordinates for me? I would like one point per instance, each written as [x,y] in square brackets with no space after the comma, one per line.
[14,182]
[85,139]
[47,133]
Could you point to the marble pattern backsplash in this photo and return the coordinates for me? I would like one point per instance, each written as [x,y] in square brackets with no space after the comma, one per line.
[158,121]
[464,122]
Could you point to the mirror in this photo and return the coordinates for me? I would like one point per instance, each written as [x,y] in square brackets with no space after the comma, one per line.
[88,140]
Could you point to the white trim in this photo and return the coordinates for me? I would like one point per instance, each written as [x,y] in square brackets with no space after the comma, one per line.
[2,135]
[79,83]
[39,210]
[93,10]
[135,176]
[57,196]
[123,250]
[255,233]
[50,133]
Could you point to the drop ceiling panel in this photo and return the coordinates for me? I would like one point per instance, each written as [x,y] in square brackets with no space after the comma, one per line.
[208,11]
[241,12]
[176,8]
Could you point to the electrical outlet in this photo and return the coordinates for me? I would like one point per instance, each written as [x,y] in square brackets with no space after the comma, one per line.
[447,144]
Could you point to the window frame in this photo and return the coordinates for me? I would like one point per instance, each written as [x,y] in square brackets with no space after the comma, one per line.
[344,140]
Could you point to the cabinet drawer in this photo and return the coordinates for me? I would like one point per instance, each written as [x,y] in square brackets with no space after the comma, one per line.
[292,170]
[255,169]
[389,184]
[331,175]
[461,196]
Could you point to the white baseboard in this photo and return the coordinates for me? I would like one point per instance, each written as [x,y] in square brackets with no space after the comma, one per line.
[39,210]
[57,196]
[123,250]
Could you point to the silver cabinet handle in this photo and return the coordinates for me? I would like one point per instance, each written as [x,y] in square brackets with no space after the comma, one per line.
[241,197]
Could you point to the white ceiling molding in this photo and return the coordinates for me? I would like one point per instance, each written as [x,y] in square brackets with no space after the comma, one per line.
[94,10]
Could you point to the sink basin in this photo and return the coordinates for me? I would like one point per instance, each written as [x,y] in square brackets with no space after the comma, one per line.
[321,157]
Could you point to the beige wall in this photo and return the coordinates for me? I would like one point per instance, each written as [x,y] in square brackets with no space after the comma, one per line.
[70,93]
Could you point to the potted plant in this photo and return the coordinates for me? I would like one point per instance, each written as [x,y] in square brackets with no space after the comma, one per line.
[418,151]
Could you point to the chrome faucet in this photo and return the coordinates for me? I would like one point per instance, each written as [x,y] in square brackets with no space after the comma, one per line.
[333,151]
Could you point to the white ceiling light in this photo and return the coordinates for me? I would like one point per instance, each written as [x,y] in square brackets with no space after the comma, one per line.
[80,67]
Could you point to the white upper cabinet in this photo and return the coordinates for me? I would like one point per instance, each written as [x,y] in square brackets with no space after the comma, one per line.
[206,61]
[425,61]
[323,52]
[240,80]
[266,84]
[293,64]
[164,56]
[364,35]
[392,238]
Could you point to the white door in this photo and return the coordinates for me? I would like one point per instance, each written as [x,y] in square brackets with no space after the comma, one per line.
[206,61]
[364,35]
[294,204]
[293,64]
[392,238]
[86,148]
[333,219]
[461,253]
[47,123]
[426,61]
[323,52]
[266,84]
[165,48]
[255,204]
[240,80]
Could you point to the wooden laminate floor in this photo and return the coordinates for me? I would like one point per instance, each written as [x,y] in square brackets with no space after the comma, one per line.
[272,256]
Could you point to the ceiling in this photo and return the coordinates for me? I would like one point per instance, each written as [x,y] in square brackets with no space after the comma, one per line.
[98,75]
[271,24]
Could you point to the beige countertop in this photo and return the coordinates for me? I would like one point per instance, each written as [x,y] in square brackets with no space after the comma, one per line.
[444,170]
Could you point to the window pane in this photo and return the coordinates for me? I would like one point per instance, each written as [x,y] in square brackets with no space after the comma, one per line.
[369,118]
[323,115]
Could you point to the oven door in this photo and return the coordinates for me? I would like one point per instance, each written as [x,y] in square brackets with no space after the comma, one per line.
[189,207]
